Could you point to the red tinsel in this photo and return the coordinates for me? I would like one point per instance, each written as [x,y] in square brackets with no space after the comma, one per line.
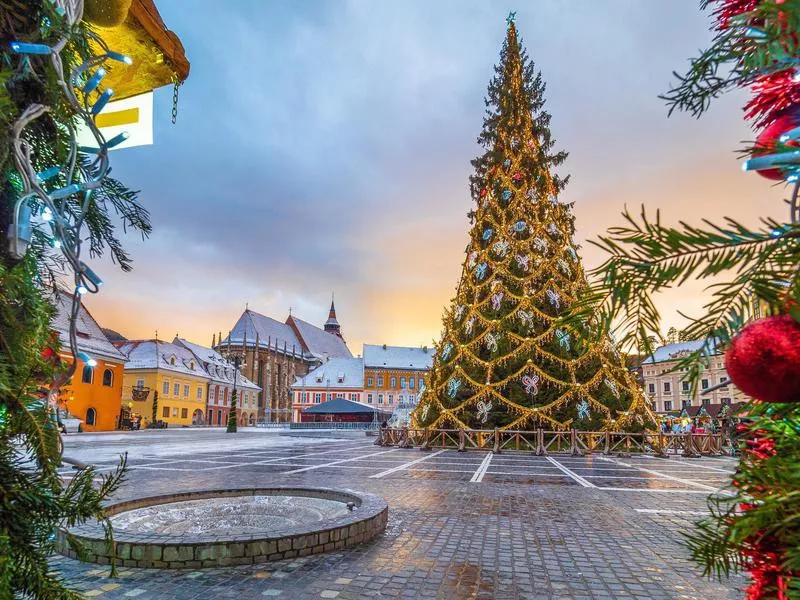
[764,359]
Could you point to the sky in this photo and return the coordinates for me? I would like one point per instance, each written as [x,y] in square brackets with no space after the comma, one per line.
[323,146]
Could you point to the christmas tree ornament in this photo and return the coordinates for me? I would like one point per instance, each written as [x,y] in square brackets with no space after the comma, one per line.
[583,409]
[612,385]
[553,230]
[540,244]
[531,195]
[480,271]
[484,191]
[563,339]
[106,13]
[473,258]
[525,317]
[500,248]
[452,387]
[554,298]
[516,177]
[507,195]
[520,226]
[424,412]
[553,199]
[491,342]
[531,384]
[563,266]
[470,324]
[572,253]
[483,410]
[514,143]
[460,311]
[523,261]
[448,348]
[497,300]
[769,141]
[764,359]
[487,234]
[507,163]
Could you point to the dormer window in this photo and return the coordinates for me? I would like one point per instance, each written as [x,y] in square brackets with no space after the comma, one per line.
[319,378]
[340,378]
[172,360]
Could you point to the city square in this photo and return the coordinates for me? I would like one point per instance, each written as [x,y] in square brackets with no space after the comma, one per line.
[461,525]
[404,298]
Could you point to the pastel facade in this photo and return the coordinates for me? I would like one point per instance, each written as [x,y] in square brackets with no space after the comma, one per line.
[670,391]
[393,375]
[94,393]
[171,370]
[338,378]
[221,374]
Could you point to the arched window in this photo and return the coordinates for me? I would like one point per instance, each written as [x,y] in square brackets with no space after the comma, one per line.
[88,374]
[91,416]
[108,378]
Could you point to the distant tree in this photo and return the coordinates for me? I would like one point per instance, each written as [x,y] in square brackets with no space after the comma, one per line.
[672,335]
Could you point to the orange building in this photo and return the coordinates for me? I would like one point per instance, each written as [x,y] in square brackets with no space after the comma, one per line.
[94,394]
[393,375]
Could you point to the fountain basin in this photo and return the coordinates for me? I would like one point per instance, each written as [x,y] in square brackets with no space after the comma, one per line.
[214,528]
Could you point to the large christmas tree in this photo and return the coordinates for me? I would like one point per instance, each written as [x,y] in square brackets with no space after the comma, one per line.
[504,359]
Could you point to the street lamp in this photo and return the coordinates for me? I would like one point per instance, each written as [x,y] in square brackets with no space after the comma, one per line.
[237,359]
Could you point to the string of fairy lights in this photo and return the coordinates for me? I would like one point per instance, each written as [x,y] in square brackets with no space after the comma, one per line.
[521,267]
[53,202]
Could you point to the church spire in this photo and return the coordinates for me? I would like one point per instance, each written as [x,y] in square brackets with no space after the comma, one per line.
[332,325]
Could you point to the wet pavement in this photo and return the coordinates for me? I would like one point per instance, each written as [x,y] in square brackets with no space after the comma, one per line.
[461,525]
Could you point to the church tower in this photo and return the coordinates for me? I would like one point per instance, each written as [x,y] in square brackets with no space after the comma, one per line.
[332,325]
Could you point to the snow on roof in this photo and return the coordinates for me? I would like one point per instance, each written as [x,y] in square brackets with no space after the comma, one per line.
[269,332]
[675,351]
[319,342]
[339,406]
[158,354]
[336,373]
[219,369]
[397,357]
[91,338]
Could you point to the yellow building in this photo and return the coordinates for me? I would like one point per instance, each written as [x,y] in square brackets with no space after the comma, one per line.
[393,374]
[94,392]
[169,370]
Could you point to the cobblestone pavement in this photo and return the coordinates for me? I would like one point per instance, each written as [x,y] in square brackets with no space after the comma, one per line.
[469,525]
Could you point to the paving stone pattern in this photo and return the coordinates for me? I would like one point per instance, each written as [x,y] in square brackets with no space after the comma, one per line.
[460,526]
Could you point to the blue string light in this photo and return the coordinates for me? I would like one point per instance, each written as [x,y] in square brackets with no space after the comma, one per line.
[26,48]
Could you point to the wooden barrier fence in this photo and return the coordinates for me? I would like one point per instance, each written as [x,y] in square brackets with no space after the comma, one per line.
[576,443]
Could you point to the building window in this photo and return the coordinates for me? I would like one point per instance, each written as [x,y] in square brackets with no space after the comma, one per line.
[369,398]
[411,383]
[420,383]
[686,403]
[651,387]
[91,417]
[402,383]
[165,388]
[199,392]
[380,398]
[391,398]
[165,411]
[184,413]
[706,401]
[369,381]
[88,374]
[108,378]
[340,394]
[393,382]
[176,389]
[354,397]
[175,412]
[704,384]
[380,381]
[685,387]
[667,387]
[140,383]
[723,379]
[412,398]
[317,397]
[172,361]
[726,401]
[667,405]
[186,390]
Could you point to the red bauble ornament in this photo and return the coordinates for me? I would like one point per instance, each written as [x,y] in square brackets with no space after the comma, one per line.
[764,360]
[767,140]
[484,191]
